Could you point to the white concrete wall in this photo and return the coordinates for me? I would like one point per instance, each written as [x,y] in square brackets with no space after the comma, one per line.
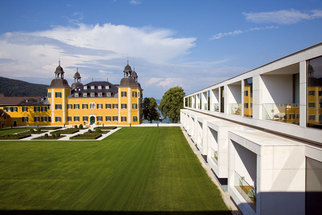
[245,163]
[280,171]
[234,94]
[275,164]
[204,100]
[271,87]
[277,89]
[282,180]
[218,140]
[199,128]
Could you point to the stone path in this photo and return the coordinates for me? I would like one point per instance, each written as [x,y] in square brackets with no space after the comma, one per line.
[68,136]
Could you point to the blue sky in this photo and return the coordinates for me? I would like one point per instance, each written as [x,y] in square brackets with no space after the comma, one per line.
[188,43]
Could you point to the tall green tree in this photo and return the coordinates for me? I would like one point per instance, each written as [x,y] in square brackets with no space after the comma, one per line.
[150,111]
[171,103]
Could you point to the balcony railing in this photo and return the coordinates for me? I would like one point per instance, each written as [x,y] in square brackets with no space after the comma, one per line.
[235,108]
[205,106]
[246,190]
[288,113]
[216,107]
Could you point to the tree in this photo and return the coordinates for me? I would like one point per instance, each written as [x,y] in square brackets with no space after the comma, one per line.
[149,109]
[171,103]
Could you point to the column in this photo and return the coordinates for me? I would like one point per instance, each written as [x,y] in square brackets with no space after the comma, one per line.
[303,89]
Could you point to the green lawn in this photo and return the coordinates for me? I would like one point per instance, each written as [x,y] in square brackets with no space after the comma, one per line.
[135,169]
[6,131]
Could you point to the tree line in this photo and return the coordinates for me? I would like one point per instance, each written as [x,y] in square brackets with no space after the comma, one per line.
[170,105]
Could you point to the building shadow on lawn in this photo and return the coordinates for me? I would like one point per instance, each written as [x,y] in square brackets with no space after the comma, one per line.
[71,212]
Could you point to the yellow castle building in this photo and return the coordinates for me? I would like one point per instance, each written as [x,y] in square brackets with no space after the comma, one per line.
[98,102]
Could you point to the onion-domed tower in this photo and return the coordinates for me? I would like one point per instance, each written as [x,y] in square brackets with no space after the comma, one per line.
[77,81]
[129,94]
[58,91]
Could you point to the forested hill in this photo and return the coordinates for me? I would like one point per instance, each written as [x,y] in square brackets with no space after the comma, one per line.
[12,87]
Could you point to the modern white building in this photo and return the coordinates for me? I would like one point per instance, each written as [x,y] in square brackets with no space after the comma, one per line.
[261,133]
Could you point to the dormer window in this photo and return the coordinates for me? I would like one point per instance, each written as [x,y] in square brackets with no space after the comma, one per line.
[100,94]
[107,87]
[84,94]
[99,87]
[92,87]
[108,94]
[85,87]
[76,95]
[92,94]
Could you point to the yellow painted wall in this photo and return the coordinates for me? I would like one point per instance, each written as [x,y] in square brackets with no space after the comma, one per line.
[17,116]
[123,100]
[62,113]
[65,113]
[89,112]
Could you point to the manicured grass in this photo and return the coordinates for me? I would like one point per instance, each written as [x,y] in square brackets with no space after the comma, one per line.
[134,169]
[15,136]
[6,131]
[87,136]
[66,131]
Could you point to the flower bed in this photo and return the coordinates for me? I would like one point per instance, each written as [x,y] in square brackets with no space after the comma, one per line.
[49,137]
[50,128]
[66,131]
[87,135]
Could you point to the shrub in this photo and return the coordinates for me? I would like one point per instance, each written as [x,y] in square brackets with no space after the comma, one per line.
[75,126]
[90,131]
[98,130]
[38,129]
[32,130]
[58,134]
[81,126]
[46,135]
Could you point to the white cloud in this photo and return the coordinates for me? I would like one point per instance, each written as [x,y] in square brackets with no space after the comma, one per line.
[290,16]
[135,2]
[220,35]
[237,32]
[99,51]
[164,82]
[33,57]
[157,45]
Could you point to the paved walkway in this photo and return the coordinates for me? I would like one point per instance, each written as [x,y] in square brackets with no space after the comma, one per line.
[36,135]
[92,127]
[226,197]
[68,136]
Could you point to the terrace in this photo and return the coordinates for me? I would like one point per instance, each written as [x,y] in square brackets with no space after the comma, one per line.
[234,98]
[281,95]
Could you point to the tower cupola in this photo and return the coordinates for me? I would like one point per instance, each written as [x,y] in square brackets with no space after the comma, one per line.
[77,80]
[130,77]
[127,70]
[59,73]
[59,81]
